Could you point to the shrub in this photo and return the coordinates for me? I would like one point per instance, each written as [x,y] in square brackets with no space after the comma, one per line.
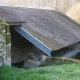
[74,12]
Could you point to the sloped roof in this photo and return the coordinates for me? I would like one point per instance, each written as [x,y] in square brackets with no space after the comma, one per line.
[51,27]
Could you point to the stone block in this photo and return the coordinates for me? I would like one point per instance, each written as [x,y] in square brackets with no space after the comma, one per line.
[1,59]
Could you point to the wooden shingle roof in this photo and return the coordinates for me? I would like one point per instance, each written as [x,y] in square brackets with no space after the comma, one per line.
[50,27]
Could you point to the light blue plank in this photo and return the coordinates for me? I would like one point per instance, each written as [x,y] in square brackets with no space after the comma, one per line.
[33,40]
[72,53]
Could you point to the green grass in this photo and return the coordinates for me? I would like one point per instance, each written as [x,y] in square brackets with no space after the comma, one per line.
[58,72]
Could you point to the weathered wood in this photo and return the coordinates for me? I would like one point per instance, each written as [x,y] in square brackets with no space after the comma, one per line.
[62,5]
[20,3]
[28,3]
[49,26]
[33,4]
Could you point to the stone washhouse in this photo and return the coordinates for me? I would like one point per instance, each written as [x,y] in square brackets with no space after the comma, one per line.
[37,32]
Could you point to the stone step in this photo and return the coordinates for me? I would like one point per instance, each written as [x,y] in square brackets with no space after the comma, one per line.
[31,64]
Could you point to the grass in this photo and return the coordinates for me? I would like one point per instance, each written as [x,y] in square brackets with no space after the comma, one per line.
[58,72]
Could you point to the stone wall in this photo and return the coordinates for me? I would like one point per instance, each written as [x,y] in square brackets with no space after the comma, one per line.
[4,42]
